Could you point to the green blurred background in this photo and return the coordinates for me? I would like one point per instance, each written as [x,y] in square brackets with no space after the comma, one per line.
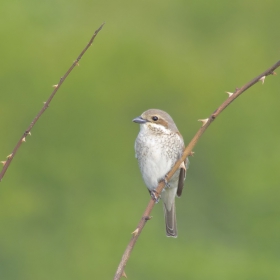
[74,194]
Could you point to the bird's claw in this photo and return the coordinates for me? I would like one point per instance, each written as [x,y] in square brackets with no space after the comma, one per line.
[166,182]
[155,196]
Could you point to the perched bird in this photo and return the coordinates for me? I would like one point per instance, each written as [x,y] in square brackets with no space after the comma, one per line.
[158,146]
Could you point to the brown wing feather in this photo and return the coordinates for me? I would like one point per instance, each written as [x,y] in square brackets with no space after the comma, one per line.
[182,177]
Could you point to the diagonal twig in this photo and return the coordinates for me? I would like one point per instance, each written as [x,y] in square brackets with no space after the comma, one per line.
[46,105]
[188,150]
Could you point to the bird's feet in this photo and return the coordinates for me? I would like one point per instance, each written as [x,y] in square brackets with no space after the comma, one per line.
[167,185]
[155,196]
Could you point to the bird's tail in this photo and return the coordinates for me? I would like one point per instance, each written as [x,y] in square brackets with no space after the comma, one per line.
[170,220]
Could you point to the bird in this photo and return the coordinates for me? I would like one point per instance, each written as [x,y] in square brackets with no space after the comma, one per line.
[158,146]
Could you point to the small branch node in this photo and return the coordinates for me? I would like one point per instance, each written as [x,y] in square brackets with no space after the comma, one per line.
[262,79]
[3,162]
[55,86]
[135,232]
[76,62]
[229,93]
[124,274]
[147,218]
[9,156]
[192,154]
[23,140]
[204,121]
[29,133]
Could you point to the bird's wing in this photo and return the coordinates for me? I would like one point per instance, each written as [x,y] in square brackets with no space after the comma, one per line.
[182,177]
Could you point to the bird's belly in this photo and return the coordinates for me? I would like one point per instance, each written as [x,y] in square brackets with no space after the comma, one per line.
[155,168]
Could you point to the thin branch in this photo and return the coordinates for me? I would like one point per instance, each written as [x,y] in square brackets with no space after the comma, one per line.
[186,153]
[46,105]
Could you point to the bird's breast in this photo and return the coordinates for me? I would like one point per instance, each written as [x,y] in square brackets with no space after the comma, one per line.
[156,155]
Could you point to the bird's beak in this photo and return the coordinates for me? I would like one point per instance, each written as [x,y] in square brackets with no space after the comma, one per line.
[139,120]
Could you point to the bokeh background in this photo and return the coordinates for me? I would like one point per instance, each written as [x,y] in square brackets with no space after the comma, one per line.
[73,194]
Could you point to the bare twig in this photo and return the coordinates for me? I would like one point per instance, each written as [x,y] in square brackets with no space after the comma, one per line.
[187,152]
[46,105]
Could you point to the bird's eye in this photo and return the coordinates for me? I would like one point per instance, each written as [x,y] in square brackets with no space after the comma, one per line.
[155,118]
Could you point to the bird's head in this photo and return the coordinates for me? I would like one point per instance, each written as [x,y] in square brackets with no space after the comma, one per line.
[155,118]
